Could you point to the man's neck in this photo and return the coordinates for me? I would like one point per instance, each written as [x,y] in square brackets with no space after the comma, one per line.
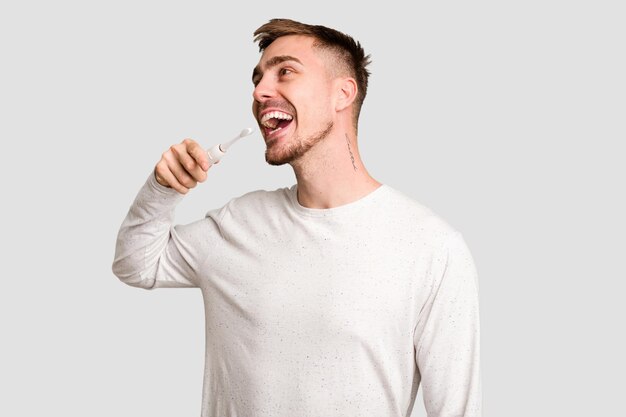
[332,174]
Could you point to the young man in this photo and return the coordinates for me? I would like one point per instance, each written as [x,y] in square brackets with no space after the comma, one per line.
[336,296]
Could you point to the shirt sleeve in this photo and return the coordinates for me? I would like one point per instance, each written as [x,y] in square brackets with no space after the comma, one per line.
[152,253]
[447,337]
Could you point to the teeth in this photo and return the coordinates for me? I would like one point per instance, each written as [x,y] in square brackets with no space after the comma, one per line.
[271,119]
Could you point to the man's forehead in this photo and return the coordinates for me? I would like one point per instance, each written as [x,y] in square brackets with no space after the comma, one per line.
[297,46]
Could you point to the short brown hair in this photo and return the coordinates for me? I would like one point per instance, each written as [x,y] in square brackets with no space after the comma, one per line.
[350,53]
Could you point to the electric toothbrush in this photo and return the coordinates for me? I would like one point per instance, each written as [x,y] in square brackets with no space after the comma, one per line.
[218,151]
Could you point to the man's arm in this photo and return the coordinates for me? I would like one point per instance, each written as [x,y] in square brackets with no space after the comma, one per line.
[447,337]
[150,252]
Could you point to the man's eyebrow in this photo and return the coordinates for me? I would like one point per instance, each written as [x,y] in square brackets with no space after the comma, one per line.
[272,62]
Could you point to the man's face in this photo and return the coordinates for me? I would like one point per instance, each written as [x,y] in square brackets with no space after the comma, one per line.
[292,98]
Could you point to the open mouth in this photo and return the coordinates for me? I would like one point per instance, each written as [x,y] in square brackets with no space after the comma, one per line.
[274,121]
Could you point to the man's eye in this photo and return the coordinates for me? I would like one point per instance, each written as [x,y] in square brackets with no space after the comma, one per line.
[285,71]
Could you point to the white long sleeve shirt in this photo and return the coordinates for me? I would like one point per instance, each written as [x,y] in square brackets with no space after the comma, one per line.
[337,312]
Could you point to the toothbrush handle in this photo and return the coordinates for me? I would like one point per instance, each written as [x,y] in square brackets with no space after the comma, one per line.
[215,154]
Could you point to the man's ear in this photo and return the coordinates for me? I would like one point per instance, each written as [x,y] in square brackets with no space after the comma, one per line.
[347,90]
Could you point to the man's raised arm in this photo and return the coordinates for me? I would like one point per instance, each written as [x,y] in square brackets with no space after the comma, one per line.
[150,252]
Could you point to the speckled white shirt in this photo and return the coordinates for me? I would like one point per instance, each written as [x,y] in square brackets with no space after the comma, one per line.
[338,312]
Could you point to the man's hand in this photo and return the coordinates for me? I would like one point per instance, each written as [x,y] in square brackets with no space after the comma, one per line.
[182,166]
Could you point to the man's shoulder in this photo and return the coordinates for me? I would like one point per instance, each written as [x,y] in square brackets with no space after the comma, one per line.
[262,196]
[259,200]
[409,213]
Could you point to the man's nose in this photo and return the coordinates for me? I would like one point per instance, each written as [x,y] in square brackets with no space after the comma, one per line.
[264,90]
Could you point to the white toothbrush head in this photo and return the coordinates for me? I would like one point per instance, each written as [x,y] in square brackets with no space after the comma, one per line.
[247,131]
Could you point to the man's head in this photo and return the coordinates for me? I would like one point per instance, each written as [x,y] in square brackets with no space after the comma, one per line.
[305,77]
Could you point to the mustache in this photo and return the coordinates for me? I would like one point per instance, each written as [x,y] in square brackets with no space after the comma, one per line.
[276,104]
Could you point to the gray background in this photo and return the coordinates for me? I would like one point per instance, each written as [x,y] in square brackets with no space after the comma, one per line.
[506,118]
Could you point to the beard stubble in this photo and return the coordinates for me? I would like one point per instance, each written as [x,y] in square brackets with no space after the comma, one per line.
[296,148]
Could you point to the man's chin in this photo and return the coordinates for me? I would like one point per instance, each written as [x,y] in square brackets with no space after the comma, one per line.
[279,152]
[288,150]
[277,160]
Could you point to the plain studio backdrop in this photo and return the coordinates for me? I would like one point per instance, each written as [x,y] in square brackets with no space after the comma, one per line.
[506,118]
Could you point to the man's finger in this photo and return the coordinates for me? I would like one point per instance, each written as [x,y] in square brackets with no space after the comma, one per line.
[188,163]
[183,177]
[172,182]
[198,154]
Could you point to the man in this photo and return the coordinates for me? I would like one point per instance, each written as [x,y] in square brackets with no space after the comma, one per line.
[334,297]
